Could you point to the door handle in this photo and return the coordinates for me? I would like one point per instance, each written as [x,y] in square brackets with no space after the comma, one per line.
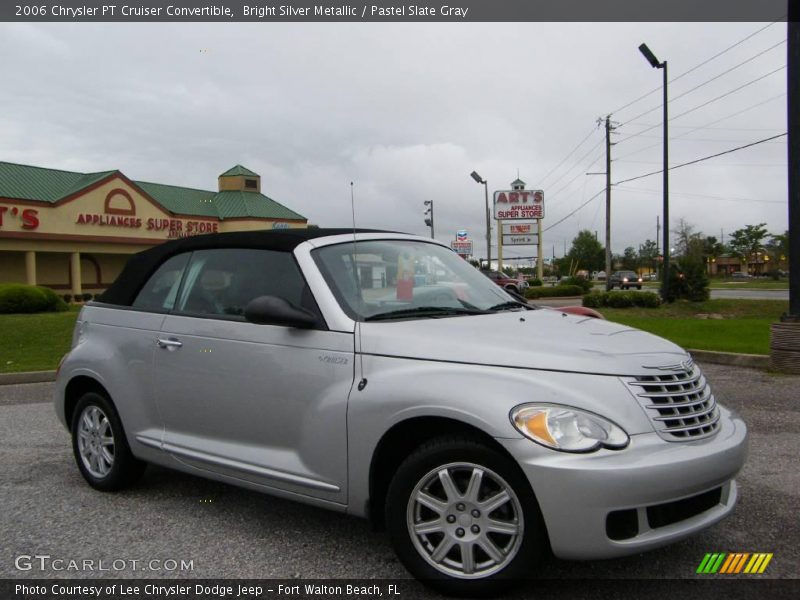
[169,344]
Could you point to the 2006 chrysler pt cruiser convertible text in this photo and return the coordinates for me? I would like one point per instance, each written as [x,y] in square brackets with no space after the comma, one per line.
[381,375]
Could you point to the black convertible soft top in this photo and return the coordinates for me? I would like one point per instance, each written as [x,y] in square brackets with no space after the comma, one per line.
[140,266]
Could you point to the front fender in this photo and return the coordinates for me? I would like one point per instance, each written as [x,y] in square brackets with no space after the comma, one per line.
[399,389]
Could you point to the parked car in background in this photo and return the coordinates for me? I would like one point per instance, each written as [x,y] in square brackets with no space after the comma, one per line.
[482,433]
[601,276]
[741,275]
[506,282]
[625,280]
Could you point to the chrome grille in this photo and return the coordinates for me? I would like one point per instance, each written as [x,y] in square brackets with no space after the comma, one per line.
[678,401]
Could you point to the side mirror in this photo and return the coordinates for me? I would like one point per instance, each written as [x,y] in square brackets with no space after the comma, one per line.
[271,310]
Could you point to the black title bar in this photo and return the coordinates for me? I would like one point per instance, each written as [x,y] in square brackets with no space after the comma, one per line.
[385,11]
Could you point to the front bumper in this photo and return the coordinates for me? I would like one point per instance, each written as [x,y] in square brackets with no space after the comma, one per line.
[577,492]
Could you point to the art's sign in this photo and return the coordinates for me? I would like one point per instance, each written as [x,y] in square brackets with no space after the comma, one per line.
[518,204]
[24,218]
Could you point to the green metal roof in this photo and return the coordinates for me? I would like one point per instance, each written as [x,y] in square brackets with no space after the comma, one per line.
[180,200]
[251,204]
[25,182]
[518,181]
[239,170]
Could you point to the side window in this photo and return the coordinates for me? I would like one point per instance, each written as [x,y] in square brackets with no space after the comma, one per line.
[223,282]
[160,291]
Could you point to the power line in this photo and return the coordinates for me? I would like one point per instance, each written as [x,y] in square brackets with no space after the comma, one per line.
[706,82]
[706,126]
[603,191]
[699,106]
[570,153]
[580,173]
[692,162]
[695,195]
[577,163]
[728,93]
[697,66]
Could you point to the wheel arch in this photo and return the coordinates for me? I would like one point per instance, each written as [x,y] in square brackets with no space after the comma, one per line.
[400,440]
[77,387]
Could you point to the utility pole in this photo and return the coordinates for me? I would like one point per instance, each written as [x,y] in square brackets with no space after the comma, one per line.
[607,173]
[609,128]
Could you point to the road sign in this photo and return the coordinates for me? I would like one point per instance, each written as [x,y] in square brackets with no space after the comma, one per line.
[519,240]
[515,205]
[463,248]
[519,228]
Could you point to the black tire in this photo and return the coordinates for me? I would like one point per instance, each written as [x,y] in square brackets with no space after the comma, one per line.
[513,289]
[125,468]
[448,450]
[638,287]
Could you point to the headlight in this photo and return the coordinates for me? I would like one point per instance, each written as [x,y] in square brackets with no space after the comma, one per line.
[567,429]
[625,279]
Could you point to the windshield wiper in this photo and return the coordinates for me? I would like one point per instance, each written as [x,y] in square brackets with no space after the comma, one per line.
[425,311]
[509,306]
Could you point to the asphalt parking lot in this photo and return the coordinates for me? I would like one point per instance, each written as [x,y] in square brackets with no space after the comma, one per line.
[228,532]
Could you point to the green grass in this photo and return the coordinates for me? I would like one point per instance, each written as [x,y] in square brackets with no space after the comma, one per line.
[744,327]
[749,284]
[35,342]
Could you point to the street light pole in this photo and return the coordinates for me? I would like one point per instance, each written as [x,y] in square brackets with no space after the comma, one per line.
[480,179]
[654,62]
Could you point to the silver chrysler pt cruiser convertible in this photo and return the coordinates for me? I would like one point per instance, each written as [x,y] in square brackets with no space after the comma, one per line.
[381,375]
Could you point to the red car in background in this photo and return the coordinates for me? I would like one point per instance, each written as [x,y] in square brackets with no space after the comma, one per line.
[504,281]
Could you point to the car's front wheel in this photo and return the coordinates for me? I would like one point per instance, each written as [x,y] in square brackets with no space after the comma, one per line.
[98,442]
[463,519]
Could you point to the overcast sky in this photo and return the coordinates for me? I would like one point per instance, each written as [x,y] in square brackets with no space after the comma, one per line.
[407,111]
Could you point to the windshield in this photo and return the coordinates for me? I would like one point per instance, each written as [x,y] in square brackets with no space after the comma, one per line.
[388,279]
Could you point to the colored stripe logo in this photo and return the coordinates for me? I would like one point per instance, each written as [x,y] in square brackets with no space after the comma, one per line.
[734,563]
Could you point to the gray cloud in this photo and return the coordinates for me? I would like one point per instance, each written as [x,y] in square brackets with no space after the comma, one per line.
[405,111]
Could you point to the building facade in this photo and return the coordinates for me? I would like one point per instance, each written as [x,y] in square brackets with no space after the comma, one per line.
[73,232]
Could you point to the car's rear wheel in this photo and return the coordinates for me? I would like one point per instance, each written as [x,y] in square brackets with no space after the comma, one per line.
[512,288]
[98,442]
[463,519]
[638,287]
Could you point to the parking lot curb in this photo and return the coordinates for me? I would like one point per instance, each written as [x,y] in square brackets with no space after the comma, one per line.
[27,377]
[753,361]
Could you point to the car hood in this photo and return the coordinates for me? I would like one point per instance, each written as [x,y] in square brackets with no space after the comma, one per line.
[536,339]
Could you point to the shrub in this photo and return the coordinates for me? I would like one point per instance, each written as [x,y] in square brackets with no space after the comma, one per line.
[582,282]
[535,282]
[20,298]
[621,299]
[549,292]
[647,300]
[86,297]
[67,298]
[595,299]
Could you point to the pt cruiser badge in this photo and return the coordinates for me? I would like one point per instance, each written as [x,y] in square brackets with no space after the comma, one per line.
[483,439]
